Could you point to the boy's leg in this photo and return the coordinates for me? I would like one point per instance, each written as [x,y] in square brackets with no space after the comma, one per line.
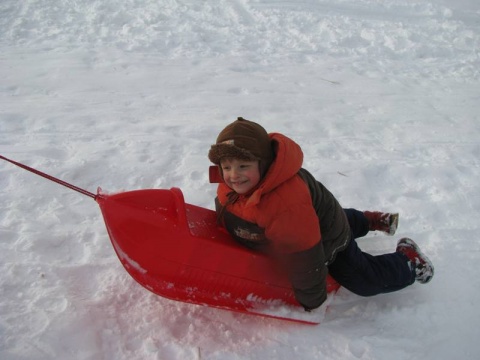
[368,275]
[361,222]
[358,222]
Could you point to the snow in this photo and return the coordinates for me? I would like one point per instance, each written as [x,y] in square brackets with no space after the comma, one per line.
[383,97]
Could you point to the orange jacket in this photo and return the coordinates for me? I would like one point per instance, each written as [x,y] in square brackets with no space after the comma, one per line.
[281,205]
[283,215]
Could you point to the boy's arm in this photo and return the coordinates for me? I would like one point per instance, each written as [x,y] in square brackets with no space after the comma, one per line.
[308,275]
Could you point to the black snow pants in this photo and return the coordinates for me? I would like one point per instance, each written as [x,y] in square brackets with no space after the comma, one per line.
[365,274]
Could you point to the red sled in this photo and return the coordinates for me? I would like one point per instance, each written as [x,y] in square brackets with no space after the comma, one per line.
[177,251]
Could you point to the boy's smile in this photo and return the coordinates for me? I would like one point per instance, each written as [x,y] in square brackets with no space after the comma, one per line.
[240,175]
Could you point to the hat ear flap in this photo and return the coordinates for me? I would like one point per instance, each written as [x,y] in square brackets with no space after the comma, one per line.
[215,174]
[267,161]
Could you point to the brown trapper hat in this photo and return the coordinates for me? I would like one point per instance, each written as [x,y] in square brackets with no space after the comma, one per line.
[243,139]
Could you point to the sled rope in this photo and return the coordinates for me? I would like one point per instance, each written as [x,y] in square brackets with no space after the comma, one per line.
[51,178]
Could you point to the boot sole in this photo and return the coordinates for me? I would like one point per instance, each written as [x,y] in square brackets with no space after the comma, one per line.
[393,224]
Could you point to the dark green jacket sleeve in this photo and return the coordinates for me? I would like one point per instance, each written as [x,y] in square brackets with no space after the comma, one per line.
[308,275]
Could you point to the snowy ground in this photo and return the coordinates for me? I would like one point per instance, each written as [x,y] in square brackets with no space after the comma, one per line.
[383,96]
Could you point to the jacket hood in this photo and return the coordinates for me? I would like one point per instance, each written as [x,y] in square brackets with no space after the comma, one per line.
[288,161]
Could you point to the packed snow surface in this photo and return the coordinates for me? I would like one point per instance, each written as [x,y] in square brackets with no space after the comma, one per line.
[383,97]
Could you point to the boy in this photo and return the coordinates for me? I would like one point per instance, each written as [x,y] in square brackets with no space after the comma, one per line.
[268,202]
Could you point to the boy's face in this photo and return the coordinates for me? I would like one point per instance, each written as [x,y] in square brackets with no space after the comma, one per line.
[240,175]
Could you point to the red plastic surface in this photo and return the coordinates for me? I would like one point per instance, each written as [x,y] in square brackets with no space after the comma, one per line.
[177,251]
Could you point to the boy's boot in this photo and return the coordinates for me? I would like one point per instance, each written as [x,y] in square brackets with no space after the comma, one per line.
[418,261]
[380,221]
